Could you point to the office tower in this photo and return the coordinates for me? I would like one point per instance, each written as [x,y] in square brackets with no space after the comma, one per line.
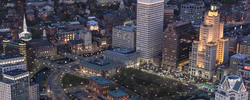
[231,88]
[211,49]
[15,85]
[123,36]
[192,11]
[11,62]
[244,46]
[176,45]
[149,28]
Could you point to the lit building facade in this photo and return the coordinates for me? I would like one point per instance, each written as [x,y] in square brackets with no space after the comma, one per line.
[99,67]
[100,84]
[176,45]
[244,46]
[15,85]
[128,58]
[231,88]
[117,95]
[34,92]
[149,28]
[124,37]
[211,49]
[11,62]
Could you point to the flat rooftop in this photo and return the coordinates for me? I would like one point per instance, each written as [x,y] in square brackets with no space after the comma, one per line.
[99,63]
[100,80]
[10,56]
[15,72]
[245,41]
[117,93]
[126,28]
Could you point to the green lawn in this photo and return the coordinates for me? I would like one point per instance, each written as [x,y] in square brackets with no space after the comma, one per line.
[149,85]
[69,80]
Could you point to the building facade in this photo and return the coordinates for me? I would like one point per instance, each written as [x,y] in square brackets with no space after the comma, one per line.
[149,28]
[192,11]
[128,58]
[124,37]
[15,85]
[212,49]
[244,46]
[231,88]
[176,45]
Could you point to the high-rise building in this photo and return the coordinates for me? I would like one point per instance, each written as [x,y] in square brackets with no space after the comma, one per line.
[231,88]
[149,28]
[11,62]
[123,36]
[15,85]
[176,45]
[192,11]
[211,49]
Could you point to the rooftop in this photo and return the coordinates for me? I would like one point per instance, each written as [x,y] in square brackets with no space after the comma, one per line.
[126,27]
[117,93]
[10,56]
[99,64]
[100,80]
[245,41]
[15,72]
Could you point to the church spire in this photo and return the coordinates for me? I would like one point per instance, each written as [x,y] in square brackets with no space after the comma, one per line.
[44,35]
[24,24]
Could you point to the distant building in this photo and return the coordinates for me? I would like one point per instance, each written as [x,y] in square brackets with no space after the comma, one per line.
[11,62]
[76,46]
[117,95]
[176,45]
[149,28]
[238,60]
[107,2]
[100,84]
[124,37]
[231,88]
[193,11]
[244,46]
[99,67]
[34,92]
[128,58]
[72,1]
[15,85]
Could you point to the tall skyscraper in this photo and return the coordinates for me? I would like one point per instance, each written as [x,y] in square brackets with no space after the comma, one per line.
[25,35]
[231,88]
[211,49]
[149,28]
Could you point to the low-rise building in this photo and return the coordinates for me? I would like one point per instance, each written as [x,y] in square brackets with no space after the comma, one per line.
[244,46]
[100,84]
[99,67]
[128,58]
[117,95]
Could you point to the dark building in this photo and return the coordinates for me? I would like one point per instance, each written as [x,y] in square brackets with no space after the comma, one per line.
[177,43]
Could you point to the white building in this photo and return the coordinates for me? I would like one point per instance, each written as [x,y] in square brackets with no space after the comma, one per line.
[86,36]
[128,58]
[149,28]
[123,36]
[231,88]
[15,85]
